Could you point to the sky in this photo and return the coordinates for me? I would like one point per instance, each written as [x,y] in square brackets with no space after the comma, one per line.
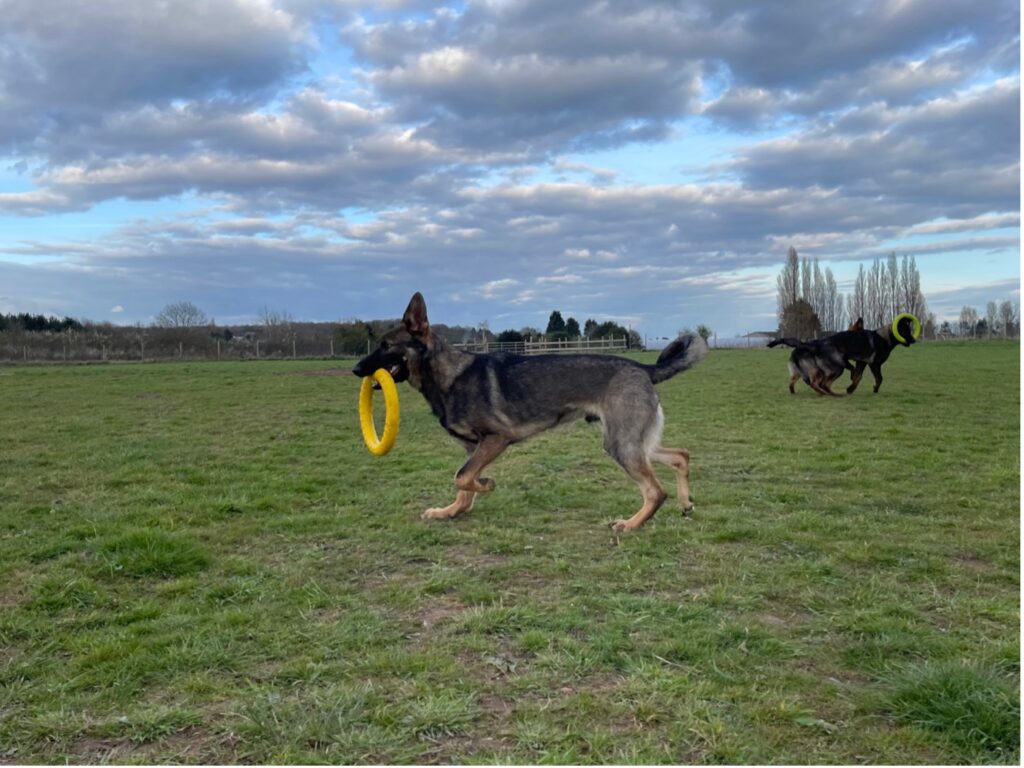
[643,162]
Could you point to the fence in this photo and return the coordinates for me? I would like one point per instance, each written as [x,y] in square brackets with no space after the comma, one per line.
[22,347]
[544,347]
[60,348]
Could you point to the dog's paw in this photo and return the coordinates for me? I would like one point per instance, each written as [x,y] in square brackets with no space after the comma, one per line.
[437,513]
[485,485]
[621,526]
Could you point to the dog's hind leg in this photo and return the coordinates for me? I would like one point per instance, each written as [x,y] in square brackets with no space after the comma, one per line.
[631,436]
[654,496]
[855,377]
[679,460]
[826,386]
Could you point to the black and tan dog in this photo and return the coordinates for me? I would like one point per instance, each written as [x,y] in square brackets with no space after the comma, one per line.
[489,401]
[816,362]
[824,360]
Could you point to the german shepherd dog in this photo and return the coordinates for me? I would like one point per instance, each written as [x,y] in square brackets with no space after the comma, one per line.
[488,402]
[869,349]
[816,362]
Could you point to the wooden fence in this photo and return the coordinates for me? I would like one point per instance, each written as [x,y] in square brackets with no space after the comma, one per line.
[546,347]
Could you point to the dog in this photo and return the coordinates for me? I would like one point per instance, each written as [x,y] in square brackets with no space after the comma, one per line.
[868,349]
[488,402]
[816,361]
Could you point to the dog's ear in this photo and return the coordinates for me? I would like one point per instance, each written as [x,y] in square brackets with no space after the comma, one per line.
[415,317]
[859,325]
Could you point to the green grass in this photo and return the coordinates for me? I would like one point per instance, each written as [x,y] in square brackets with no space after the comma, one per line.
[201,563]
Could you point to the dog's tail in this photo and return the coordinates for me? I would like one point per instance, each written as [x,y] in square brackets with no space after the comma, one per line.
[683,353]
[789,341]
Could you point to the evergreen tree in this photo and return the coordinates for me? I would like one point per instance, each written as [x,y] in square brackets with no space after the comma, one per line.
[556,325]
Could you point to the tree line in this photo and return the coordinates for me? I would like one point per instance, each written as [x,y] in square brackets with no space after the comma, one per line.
[811,305]
[1001,319]
[38,323]
[183,330]
[567,329]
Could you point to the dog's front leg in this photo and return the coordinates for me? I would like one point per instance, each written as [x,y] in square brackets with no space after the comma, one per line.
[468,479]
[487,450]
[463,503]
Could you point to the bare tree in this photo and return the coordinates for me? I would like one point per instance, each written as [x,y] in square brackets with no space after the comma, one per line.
[806,290]
[818,298]
[789,282]
[183,314]
[833,304]
[857,304]
[874,302]
[929,326]
[1007,315]
[278,324]
[890,288]
[912,300]
[968,321]
[179,323]
[992,317]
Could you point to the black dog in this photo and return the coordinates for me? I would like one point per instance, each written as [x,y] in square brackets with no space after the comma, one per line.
[822,361]
[488,402]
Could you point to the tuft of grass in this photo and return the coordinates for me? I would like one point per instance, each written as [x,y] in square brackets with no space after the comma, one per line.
[973,706]
[151,552]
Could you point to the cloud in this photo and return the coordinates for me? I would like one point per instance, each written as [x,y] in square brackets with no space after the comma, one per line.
[67,62]
[949,152]
[116,309]
[341,151]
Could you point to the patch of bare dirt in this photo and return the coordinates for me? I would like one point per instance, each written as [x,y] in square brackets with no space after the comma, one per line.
[439,609]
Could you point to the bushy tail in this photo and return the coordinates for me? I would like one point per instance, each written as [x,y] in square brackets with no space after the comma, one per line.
[789,341]
[683,353]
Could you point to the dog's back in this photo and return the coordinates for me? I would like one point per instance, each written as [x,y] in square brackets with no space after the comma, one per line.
[521,395]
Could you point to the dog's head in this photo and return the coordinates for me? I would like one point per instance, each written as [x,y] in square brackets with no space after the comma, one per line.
[905,328]
[401,349]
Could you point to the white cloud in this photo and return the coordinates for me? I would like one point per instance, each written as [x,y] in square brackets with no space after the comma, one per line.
[435,151]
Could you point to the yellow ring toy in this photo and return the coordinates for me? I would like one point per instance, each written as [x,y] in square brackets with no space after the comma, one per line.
[896,322]
[379,446]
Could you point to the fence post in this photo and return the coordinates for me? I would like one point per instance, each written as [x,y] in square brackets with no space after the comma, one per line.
[332,346]
[293,348]
[218,349]
[257,349]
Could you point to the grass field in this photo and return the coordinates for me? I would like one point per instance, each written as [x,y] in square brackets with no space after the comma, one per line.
[202,563]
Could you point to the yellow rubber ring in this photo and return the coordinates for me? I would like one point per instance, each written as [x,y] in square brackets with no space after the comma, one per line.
[379,446]
[916,331]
